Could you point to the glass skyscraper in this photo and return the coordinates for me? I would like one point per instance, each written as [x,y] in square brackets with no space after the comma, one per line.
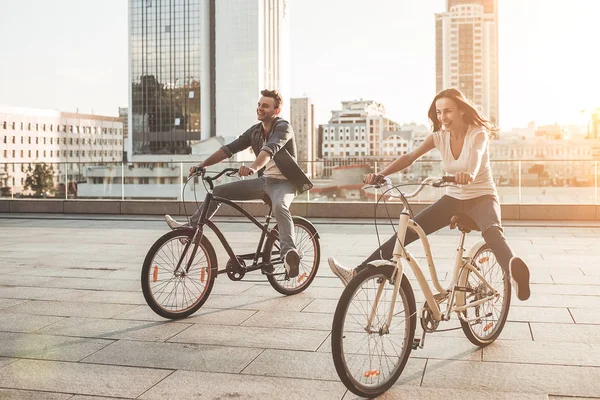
[165,56]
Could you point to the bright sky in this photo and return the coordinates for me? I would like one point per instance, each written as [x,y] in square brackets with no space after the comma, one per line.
[64,54]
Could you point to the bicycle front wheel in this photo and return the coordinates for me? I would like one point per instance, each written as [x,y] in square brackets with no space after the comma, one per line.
[176,295]
[369,357]
[482,324]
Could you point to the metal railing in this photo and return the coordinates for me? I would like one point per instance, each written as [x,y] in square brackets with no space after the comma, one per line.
[518,181]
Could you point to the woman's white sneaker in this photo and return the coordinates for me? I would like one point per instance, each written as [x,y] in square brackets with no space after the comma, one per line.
[519,276]
[345,274]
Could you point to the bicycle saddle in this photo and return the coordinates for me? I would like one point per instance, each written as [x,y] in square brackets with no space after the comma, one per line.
[464,223]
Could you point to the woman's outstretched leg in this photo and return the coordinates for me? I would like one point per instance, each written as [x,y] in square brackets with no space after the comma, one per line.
[431,219]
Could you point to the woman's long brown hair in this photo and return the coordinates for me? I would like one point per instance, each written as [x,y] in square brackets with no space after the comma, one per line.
[471,115]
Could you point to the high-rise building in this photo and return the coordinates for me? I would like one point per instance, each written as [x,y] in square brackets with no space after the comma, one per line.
[197,67]
[467,52]
[302,120]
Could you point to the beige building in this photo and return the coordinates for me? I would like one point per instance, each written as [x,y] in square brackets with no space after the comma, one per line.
[302,113]
[467,52]
[30,136]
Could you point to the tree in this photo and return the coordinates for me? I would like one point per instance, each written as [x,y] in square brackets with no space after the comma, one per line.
[40,180]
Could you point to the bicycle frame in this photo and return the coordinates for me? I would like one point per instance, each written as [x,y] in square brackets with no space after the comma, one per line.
[456,303]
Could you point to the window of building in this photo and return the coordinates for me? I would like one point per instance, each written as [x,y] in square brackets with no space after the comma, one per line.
[44,127]
[14,126]
[37,140]
[21,153]
[51,155]
[44,140]
[37,154]
[57,153]
[37,127]
[29,139]
[29,126]
[29,153]
[5,153]
[4,139]
[4,125]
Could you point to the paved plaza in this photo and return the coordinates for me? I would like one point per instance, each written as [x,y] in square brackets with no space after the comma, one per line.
[74,324]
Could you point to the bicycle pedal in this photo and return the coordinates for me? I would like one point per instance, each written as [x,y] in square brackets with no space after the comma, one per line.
[416,343]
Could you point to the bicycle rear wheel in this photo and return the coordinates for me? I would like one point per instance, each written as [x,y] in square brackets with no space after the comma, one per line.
[370,359]
[309,249]
[486,320]
[177,296]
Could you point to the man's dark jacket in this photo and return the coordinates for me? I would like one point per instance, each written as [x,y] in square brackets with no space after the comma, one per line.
[280,144]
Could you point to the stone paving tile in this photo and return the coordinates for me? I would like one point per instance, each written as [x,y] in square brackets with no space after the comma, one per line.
[109,297]
[590,271]
[291,320]
[187,384]
[6,361]
[551,397]
[38,293]
[115,329]
[586,316]
[511,331]
[572,333]
[318,366]
[209,316]
[277,302]
[576,279]
[46,347]
[313,292]
[193,357]
[419,393]
[70,309]
[83,397]
[94,284]
[576,354]
[584,290]
[65,272]
[526,378]
[24,281]
[539,314]
[554,300]
[14,394]
[272,338]
[7,303]
[25,323]
[79,378]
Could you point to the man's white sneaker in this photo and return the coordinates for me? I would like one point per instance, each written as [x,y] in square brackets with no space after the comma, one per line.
[292,263]
[172,223]
[519,276]
[345,274]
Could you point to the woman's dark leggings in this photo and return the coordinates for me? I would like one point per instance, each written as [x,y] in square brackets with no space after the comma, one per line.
[484,210]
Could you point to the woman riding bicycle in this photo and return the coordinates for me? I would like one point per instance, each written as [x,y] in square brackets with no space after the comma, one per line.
[460,133]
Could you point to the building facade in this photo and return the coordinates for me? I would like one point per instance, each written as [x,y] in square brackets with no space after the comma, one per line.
[467,52]
[66,141]
[197,67]
[302,112]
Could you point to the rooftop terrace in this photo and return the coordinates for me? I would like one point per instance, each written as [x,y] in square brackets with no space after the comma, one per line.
[73,321]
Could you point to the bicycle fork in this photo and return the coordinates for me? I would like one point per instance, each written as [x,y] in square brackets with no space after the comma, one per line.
[195,241]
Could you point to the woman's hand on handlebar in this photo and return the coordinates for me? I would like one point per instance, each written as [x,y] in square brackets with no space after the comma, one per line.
[374,179]
[463,178]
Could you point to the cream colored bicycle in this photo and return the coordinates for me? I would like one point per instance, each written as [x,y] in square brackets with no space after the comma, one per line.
[374,325]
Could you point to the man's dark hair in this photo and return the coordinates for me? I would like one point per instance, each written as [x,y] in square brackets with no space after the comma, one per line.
[274,94]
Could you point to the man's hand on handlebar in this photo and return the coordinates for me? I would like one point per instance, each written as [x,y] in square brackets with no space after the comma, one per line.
[195,169]
[374,179]
[246,171]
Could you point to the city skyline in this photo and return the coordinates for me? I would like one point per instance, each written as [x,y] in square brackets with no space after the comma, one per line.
[547,73]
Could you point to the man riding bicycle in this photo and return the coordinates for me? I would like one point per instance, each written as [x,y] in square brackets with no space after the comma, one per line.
[280,176]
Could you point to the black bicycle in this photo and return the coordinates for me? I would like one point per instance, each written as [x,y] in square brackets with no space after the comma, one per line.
[181,266]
